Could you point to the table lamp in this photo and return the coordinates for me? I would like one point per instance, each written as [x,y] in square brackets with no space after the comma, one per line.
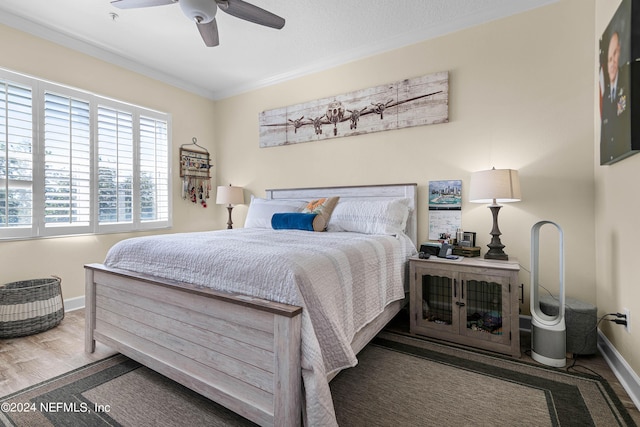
[230,196]
[495,186]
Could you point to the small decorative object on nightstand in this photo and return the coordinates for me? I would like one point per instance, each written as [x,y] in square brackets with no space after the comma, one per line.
[230,196]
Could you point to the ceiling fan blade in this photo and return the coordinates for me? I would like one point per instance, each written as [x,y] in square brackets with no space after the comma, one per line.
[209,33]
[248,12]
[132,4]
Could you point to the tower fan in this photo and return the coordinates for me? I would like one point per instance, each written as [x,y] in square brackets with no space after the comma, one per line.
[548,333]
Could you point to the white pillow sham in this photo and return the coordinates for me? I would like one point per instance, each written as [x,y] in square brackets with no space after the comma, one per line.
[261,210]
[370,216]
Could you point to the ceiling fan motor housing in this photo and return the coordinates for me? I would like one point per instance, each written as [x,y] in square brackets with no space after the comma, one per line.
[203,13]
[200,11]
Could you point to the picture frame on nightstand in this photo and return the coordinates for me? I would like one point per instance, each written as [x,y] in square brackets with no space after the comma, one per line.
[468,236]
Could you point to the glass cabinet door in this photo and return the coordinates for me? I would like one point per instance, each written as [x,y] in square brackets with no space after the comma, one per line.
[483,308]
[438,296]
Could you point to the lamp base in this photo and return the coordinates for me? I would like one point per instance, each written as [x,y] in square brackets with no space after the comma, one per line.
[229,223]
[496,254]
[496,246]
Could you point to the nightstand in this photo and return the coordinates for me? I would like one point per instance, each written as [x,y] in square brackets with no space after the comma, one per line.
[470,301]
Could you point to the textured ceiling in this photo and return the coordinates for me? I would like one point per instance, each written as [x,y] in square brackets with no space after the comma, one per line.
[162,43]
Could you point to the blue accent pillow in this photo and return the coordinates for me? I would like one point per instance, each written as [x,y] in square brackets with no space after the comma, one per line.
[293,221]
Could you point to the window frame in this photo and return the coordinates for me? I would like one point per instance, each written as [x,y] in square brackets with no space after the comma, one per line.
[39,228]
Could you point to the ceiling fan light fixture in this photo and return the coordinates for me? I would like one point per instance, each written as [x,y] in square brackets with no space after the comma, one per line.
[200,11]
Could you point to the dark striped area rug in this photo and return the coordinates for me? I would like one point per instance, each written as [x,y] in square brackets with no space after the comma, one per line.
[399,381]
[426,383]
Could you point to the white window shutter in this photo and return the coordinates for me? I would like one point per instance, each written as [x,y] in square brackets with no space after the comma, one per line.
[16,160]
[67,164]
[72,162]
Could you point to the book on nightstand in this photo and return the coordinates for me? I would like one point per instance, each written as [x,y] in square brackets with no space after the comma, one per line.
[466,251]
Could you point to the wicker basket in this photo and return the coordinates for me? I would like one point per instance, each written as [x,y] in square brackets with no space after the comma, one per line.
[30,306]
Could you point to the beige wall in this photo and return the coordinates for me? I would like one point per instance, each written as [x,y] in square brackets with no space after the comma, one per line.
[617,230]
[521,96]
[191,115]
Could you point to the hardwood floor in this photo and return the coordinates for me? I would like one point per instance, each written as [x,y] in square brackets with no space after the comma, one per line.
[30,360]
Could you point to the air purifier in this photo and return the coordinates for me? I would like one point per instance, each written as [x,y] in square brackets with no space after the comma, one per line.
[548,333]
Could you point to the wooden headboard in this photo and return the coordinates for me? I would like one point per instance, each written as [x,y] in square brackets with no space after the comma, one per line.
[390,191]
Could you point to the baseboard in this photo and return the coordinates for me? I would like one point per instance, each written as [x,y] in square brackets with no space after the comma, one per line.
[72,304]
[621,369]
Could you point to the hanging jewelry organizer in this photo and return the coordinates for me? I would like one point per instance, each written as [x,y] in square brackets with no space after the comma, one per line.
[194,171]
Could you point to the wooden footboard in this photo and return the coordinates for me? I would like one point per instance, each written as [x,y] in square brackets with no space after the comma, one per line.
[241,352]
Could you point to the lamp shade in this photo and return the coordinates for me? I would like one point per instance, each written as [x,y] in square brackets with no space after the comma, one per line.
[229,195]
[495,186]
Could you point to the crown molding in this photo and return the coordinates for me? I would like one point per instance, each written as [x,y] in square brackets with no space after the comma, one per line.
[95,50]
[107,54]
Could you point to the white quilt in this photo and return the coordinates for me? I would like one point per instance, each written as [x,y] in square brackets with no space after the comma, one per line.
[342,280]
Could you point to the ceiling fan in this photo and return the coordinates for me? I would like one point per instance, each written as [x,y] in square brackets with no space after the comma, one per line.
[203,12]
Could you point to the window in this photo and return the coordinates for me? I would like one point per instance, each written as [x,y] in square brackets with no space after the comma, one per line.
[67,162]
[154,177]
[73,162]
[16,159]
[115,166]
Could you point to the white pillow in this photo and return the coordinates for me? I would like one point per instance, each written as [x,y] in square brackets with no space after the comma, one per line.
[370,216]
[261,210]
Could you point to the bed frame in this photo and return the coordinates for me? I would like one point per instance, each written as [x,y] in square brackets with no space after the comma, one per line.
[241,352]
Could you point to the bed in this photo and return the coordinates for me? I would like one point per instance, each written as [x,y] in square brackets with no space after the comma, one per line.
[236,345]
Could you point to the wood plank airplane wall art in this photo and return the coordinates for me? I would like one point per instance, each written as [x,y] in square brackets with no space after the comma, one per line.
[411,102]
